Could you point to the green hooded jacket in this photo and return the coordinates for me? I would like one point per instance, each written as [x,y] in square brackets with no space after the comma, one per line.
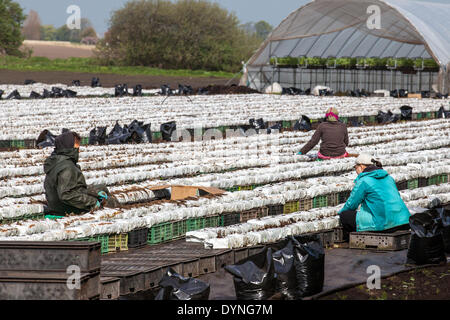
[382,207]
[65,186]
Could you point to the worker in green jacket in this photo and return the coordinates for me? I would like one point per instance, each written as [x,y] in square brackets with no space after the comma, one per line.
[382,208]
[65,187]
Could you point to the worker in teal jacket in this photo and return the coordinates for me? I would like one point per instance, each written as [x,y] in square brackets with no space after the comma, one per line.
[382,208]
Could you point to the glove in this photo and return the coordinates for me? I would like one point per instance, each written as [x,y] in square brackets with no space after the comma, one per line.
[299,154]
[102,196]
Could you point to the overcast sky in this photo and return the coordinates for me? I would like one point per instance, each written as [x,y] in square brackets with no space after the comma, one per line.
[99,11]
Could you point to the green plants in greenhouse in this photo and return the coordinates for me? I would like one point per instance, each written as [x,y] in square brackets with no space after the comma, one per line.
[351,63]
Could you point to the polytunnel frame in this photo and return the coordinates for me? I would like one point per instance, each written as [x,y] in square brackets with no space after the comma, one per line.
[270,41]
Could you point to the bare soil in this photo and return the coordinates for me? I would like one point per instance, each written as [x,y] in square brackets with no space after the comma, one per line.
[62,50]
[110,80]
[431,283]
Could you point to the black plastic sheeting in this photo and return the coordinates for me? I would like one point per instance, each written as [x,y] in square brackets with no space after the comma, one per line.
[14,95]
[167,130]
[304,124]
[46,139]
[254,277]
[406,113]
[444,216]
[299,267]
[387,117]
[176,287]
[95,82]
[342,267]
[135,132]
[442,113]
[292,91]
[427,244]
[121,90]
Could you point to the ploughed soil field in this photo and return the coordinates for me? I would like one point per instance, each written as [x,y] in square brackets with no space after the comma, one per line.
[432,283]
[109,80]
[58,49]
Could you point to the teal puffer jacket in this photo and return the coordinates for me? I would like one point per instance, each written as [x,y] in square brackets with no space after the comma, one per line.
[382,207]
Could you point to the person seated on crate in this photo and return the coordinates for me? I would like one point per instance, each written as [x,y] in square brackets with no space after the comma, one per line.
[65,186]
[334,136]
[382,208]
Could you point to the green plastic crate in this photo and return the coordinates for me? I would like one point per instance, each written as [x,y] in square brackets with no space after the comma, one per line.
[179,229]
[18,144]
[84,141]
[443,178]
[232,189]
[320,202]
[287,124]
[433,180]
[156,135]
[291,207]
[413,184]
[104,241]
[160,233]
[195,224]
[212,222]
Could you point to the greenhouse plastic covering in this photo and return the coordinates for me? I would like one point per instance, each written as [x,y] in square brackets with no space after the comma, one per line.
[340,28]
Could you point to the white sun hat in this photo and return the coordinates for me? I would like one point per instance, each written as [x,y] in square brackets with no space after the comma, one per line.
[364,159]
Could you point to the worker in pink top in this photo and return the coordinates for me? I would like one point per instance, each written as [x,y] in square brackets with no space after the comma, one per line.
[334,137]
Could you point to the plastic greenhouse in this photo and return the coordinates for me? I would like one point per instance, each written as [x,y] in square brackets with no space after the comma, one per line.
[351,44]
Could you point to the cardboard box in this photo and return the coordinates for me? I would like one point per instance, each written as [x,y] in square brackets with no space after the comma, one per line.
[183,192]
[415,95]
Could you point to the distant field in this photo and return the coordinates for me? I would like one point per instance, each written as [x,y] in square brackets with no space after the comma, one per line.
[59,49]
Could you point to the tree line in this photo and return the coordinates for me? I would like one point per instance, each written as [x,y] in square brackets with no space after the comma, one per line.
[34,30]
[183,34]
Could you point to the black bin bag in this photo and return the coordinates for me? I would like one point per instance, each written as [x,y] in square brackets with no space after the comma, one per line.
[304,124]
[406,113]
[176,287]
[387,117]
[426,245]
[444,216]
[254,277]
[167,129]
[299,266]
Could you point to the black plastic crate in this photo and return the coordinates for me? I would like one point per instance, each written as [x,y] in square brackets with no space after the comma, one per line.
[423,182]
[343,196]
[137,238]
[229,219]
[403,185]
[275,210]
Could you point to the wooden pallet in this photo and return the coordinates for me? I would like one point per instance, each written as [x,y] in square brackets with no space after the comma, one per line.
[380,241]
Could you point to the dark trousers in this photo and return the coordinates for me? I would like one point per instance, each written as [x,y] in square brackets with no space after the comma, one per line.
[348,222]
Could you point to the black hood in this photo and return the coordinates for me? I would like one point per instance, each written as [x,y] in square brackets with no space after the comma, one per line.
[60,155]
[65,141]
